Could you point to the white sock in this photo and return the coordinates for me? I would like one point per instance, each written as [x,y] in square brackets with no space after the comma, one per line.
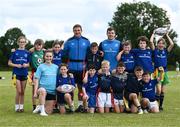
[42,108]
[16,107]
[80,103]
[21,106]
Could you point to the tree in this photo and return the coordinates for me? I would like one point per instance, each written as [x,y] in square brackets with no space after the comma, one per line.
[8,42]
[132,20]
[136,19]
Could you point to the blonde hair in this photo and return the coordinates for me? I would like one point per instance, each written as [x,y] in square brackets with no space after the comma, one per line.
[21,37]
[105,62]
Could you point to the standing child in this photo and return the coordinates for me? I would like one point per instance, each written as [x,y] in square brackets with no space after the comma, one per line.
[58,52]
[19,60]
[104,88]
[94,56]
[143,55]
[127,57]
[118,83]
[90,89]
[177,68]
[65,98]
[148,101]
[36,60]
[160,60]
[132,91]
[45,85]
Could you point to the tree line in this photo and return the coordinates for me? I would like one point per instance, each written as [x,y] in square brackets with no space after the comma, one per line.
[130,21]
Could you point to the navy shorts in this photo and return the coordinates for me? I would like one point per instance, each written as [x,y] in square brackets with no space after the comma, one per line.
[78,77]
[50,97]
[60,98]
[91,100]
[21,78]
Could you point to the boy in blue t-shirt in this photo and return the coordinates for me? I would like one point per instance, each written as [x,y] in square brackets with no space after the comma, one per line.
[160,60]
[118,83]
[90,89]
[148,92]
[143,55]
[19,60]
[104,88]
[127,57]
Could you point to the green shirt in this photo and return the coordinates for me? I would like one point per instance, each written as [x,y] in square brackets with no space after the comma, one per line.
[36,58]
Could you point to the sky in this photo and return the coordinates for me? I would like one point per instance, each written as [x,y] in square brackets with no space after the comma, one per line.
[54,19]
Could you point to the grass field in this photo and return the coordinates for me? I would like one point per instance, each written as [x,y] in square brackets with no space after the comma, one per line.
[170,117]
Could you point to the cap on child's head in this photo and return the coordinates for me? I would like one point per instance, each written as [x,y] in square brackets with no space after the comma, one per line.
[146,73]
[94,44]
[120,64]
[138,68]
[143,38]
[91,66]
[39,42]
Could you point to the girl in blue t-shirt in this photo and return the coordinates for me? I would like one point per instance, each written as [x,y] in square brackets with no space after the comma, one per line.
[57,51]
[45,85]
[19,60]
[65,97]
[160,61]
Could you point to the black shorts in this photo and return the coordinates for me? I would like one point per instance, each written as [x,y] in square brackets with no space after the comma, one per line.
[50,97]
[78,77]
[21,78]
[60,98]
[126,95]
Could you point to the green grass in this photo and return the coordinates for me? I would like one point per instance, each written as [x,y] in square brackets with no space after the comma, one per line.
[169,117]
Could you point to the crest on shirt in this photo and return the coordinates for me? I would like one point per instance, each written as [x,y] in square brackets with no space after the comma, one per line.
[25,55]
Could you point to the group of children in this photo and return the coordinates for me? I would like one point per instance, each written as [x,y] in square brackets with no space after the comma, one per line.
[132,86]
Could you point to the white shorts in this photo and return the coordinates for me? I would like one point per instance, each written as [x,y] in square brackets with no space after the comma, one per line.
[177,69]
[118,102]
[104,100]
[153,104]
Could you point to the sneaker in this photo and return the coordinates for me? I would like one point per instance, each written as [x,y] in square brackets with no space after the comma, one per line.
[43,114]
[71,108]
[140,111]
[80,109]
[21,110]
[145,111]
[161,108]
[85,111]
[17,110]
[37,110]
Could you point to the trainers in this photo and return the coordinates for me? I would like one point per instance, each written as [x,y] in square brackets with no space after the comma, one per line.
[145,111]
[43,114]
[71,108]
[37,110]
[140,111]
[161,108]
[21,110]
[79,109]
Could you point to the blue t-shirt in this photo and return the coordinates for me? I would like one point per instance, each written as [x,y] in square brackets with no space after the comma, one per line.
[20,57]
[148,90]
[110,49]
[47,77]
[57,58]
[143,58]
[160,58]
[65,80]
[129,61]
[92,84]
[104,83]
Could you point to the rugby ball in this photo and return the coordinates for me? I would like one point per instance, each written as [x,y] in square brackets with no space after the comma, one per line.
[66,88]
[161,31]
